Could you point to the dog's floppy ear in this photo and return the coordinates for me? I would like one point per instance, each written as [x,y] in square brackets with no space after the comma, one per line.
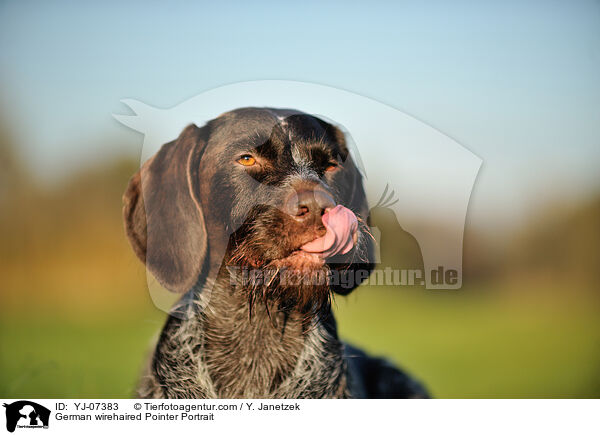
[163,218]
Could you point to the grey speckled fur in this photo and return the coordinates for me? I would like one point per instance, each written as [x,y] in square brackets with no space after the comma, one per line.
[219,352]
[262,357]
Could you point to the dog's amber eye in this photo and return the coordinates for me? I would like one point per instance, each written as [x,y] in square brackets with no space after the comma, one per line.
[331,167]
[247,160]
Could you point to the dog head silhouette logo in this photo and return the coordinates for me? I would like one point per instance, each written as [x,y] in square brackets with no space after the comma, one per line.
[26,414]
[426,177]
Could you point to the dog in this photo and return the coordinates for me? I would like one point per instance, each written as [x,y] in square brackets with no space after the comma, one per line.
[258,218]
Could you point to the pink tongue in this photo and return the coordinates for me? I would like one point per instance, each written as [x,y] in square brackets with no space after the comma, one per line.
[341,225]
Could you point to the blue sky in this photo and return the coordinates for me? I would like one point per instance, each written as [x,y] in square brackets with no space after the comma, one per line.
[515,82]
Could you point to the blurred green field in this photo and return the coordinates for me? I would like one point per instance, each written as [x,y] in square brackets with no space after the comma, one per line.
[465,345]
[460,344]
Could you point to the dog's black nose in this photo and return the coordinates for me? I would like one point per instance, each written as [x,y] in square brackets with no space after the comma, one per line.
[308,204]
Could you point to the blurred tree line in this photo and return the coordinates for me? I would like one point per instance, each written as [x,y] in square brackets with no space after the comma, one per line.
[64,242]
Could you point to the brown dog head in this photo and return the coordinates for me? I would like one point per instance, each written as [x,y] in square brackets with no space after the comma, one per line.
[257,187]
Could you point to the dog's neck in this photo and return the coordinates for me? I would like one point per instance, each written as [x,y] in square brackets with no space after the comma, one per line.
[269,353]
[249,355]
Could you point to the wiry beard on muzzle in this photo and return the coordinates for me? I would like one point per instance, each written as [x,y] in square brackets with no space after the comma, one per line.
[274,283]
[285,289]
[269,269]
